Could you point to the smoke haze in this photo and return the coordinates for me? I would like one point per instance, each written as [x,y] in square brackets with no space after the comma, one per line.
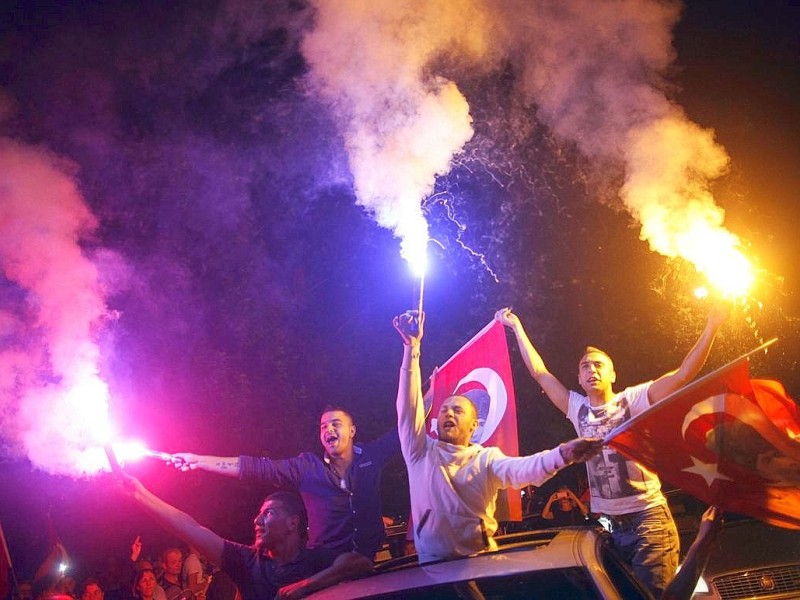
[178,184]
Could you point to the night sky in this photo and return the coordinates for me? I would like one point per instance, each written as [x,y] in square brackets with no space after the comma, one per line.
[181,207]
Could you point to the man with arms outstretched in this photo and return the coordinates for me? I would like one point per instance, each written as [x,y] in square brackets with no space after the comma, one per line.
[627,494]
[341,489]
[454,483]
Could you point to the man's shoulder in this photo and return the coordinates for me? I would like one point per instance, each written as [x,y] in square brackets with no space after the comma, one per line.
[389,441]
[232,549]
[577,396]
[635,391]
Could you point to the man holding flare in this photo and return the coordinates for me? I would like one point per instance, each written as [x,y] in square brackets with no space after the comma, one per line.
[454,483]
[341,488]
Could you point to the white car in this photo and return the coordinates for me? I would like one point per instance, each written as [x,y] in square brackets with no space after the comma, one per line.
[572,563]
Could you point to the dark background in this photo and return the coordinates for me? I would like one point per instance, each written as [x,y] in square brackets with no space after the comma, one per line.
[255,290]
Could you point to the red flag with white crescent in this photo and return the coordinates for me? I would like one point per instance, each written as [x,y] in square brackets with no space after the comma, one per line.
[727,440]
[481,371]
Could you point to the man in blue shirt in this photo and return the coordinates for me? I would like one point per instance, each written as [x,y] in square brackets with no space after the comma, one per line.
[341,488]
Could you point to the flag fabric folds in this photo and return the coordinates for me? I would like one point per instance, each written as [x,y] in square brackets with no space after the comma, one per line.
[481,371]
[727,440]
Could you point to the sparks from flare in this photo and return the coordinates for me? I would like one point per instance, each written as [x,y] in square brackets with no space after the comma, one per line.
[445,200]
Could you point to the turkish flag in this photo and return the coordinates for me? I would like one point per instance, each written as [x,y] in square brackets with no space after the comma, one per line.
[481,371]
[727,440]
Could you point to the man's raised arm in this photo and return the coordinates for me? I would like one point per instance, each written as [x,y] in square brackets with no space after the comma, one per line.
[222,465]
[177,522]
[555,390]
[693,361]
[410,409]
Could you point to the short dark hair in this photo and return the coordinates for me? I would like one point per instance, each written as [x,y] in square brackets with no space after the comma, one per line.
[335,408]
[137,577]
[170,550]
[293,504]
[595,349]
[87,583]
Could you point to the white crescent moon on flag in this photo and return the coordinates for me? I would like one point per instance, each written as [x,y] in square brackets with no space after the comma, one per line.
[498,397]
[714,404]
[708,471]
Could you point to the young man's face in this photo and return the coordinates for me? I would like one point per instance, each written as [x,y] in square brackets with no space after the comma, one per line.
[596,372]
[336,432]
[172,562]
[92,592]
[456,421]
[147,584]
[273,525]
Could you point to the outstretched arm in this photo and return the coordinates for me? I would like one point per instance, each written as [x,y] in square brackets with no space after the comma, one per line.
[410,409]
[694,360]
[555,390]
[177,522]
[222,465]
[346,566]
[519,471]
[682,585]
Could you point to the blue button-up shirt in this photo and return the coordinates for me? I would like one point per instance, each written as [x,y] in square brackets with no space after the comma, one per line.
[342,517]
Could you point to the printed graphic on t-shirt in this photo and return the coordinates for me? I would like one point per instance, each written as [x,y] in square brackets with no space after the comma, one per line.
[610,473]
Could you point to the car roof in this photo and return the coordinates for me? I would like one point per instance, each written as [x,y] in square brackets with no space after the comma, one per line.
[519,553]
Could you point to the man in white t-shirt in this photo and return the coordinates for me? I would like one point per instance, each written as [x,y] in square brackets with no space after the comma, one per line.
[624,492]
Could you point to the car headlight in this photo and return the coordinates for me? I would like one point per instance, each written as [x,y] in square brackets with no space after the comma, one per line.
[701,587]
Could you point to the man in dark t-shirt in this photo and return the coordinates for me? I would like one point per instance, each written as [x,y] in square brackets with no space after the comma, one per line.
[278,558]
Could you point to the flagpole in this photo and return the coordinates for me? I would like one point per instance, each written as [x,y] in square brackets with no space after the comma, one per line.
[472,341]
[421,293]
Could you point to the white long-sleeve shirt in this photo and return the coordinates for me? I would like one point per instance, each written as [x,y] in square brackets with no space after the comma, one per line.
[454,488]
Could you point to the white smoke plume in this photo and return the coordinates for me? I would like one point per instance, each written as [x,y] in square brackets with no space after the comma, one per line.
[52,402]
[401,124]
[595,71]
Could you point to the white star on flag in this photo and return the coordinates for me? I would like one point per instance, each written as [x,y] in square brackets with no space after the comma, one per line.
[707,471]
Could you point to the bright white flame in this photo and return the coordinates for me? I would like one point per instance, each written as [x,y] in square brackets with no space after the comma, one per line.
[414,248]
[130,451]
[67,426]
[715,253]
[701,293]
[87,402]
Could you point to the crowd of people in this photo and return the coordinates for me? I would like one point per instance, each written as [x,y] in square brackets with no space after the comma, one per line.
[175,574]
[326,523]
